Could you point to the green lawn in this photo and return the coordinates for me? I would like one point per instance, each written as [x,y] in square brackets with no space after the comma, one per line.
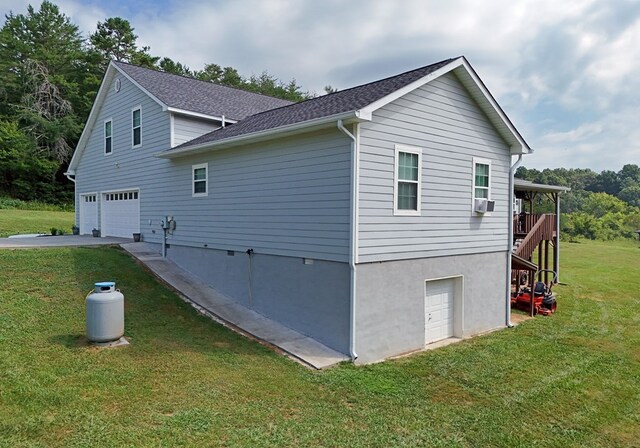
[572,379]
[15,221]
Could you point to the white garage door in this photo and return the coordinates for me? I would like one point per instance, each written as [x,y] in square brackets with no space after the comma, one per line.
[88,213]
[121,213]
[439,310]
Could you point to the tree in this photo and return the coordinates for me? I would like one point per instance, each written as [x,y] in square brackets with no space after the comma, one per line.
[227,76]
[607,182]
[23,174]
[170,66]
[46,36]
[114,39]
[47,115]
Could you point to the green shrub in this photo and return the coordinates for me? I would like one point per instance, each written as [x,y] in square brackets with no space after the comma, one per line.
[18,204]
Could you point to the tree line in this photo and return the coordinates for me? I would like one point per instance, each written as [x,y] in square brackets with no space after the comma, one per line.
[50,75]
[603,205]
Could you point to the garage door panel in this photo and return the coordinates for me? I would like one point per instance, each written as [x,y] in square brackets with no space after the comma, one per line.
[121,213]
[88,213]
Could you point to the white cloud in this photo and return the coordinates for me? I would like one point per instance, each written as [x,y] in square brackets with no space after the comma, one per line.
[563,71]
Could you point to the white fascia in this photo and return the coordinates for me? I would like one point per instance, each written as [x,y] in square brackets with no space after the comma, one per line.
[198,114]
[348,117]
[93,115]
[516,142]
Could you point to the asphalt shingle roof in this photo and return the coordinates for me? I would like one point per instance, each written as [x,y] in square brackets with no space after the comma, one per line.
[324,106]
[203,97]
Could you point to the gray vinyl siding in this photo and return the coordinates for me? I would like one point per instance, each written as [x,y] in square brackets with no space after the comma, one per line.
[286,197]
[125,167]
[187,128]
[442,120]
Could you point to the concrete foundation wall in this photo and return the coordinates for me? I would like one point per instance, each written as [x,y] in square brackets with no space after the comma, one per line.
[310,298]
[391,300]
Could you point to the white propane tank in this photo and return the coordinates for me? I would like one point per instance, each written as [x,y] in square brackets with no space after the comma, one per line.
[105,313]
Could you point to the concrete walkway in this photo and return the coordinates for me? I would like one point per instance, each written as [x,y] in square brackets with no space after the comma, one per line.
[304,349]
[59,241]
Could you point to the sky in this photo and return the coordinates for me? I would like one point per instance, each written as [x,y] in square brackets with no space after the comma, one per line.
[565,72]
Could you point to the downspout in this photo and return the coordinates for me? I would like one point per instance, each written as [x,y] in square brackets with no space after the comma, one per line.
[73,179]
[512,172]
[556,249]
[354,236]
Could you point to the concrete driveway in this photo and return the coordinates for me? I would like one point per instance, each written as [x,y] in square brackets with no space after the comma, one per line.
[59,241]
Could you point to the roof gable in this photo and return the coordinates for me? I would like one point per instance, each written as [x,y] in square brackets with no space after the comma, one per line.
[178,94]
[357,103]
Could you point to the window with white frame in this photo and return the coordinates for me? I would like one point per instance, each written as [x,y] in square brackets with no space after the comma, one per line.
[481,179]
[136,127]
[108,137]
[199,179]
[407,180]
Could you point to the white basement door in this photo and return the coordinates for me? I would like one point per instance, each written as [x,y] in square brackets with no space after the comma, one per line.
[88,213]
[439,310]
[120,214]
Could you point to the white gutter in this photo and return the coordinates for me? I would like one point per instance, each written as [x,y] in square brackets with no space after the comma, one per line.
[68,174]
[512,172]
[245,138]
[354,235]
[198,114]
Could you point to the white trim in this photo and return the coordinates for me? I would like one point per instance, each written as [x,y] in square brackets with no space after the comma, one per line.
[260,135]
[91,120]
[111,71]
[103,200]
[357,198]
[104,136]
[410,150]
[411,87]
[81,197]
[481,161]
[458,304]
[460,65]
[199,115]
[133,109]
[206,180]
[172,131]
[135,83]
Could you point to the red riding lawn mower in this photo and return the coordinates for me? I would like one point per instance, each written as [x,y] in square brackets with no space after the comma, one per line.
[544,301]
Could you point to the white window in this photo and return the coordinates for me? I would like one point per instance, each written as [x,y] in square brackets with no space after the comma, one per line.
[108,137]
[199,179]
[481,179]
[407,180]
[136,127]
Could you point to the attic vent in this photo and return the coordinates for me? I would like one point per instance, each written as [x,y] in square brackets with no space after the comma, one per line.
[117,85]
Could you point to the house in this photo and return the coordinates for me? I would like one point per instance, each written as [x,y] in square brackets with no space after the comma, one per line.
[375,219]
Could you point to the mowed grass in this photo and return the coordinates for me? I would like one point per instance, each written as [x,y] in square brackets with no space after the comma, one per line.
[13,221]
[572,379]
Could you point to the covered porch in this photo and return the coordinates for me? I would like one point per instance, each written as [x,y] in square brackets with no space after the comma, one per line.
[536,236]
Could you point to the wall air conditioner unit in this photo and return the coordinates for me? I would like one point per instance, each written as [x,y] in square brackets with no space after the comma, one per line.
[484,205]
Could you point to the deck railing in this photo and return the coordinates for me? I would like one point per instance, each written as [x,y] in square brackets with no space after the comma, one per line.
[524,223]
[541,230]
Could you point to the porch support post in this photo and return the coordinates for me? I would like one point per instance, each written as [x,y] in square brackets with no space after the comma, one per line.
[556,240]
